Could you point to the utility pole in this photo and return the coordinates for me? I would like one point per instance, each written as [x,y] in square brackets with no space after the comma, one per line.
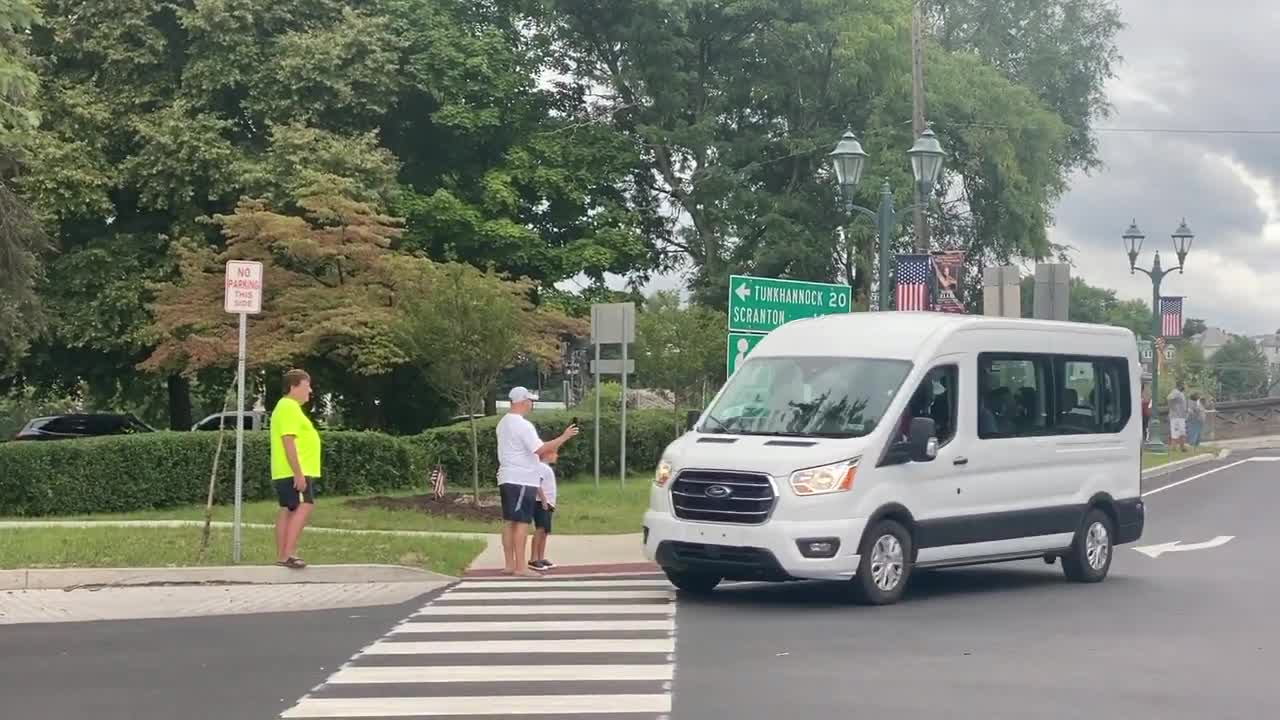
[917,117]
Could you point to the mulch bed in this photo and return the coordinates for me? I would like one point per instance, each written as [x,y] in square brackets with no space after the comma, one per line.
[457,506]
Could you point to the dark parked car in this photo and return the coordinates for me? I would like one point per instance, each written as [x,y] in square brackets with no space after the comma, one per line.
[64,427]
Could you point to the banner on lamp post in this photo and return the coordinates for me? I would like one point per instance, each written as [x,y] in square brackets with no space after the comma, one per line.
[948,274]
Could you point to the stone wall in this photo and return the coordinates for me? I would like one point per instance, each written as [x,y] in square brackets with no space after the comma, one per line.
[1243,418]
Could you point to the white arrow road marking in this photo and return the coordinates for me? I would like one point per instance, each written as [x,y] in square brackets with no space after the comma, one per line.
[744,291]
[1156,551]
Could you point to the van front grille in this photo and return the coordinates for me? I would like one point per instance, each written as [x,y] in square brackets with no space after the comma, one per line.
[722,497]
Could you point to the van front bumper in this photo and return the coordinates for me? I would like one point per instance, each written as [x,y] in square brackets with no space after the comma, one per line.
[768,552]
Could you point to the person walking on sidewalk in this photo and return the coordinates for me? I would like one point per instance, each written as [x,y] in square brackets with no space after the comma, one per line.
[520,461]
[295,465]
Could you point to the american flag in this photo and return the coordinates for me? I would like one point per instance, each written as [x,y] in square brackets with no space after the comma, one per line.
[912,291]
[1171,316]
[437,482]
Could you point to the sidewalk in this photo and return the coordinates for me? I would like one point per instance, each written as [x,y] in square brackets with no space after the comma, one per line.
[145,603]
[1262,442]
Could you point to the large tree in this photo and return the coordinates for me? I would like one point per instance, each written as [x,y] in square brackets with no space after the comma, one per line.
[21,241]
[737,103]
[161,115]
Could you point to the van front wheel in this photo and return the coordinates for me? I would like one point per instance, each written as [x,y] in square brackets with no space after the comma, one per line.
[1089,559]
[884,566]
[694,583]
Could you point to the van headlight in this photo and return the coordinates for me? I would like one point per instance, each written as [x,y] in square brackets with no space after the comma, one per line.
[833,478]
[663,474]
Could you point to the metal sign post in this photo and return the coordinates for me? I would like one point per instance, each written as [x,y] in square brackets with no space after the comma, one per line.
[243,297]
[613,324]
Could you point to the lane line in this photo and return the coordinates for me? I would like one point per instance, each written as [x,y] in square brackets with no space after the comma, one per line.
[499,673]
[533,626]
[463,647]
[1184,481]
[510,705]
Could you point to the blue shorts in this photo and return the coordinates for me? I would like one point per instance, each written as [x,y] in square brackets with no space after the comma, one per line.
[518,502]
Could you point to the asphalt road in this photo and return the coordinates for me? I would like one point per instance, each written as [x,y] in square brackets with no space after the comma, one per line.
[245,667]
[1187,635]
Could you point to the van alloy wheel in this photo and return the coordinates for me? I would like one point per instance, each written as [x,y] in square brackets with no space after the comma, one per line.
[1088,560]
[1097,546]
[886,562]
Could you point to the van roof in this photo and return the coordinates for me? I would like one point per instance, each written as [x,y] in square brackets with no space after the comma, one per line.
[901,335]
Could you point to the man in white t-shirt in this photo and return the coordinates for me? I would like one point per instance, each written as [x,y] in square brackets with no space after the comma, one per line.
[520,471]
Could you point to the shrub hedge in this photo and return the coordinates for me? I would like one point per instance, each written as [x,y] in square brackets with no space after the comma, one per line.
[140,472]
[648,433]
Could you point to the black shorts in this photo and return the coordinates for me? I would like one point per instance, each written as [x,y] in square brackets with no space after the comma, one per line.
[290,499]
[518,502]
[542,517]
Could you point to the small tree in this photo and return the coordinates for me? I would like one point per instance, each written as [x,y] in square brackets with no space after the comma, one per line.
[465,327]
[679,349]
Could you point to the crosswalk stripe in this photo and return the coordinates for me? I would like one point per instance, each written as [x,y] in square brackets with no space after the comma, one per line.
[557,594]
[500,673]
[522,584]
[508,705]
[592,648]
[460,647]
[518,610]
[532,626]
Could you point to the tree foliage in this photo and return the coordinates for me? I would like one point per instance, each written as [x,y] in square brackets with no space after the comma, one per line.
[464,327]
[679,349]
[329,285]
[22,243]
[1097,305]
[1241,368]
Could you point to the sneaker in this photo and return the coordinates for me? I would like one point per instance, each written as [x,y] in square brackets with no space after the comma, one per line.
[547,564]
[536,565]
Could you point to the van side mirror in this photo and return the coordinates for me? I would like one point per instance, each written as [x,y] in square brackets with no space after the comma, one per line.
[922,440]
[691,419]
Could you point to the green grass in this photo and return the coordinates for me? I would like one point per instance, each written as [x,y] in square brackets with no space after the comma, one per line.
[178,547]
[1151,460]
[582,509]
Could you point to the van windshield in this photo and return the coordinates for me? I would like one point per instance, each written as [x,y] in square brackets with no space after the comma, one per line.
[806,396]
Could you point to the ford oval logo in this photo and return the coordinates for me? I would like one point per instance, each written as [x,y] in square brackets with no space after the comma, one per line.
[718,491]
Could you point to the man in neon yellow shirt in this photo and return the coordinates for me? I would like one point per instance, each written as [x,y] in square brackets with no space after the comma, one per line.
[295,465]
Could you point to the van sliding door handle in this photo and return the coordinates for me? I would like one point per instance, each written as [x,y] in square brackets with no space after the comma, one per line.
[960,461]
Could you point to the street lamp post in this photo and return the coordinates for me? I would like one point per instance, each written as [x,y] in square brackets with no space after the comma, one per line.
[849,159]
[1182,238]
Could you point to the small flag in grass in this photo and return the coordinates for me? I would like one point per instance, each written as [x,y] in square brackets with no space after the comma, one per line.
[437,482]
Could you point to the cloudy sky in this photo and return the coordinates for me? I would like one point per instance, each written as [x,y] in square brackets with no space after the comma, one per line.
[1190,64]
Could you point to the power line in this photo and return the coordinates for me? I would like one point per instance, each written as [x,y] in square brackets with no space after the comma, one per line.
[1129,130]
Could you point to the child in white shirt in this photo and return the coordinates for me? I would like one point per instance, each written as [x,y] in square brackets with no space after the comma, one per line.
[542,515]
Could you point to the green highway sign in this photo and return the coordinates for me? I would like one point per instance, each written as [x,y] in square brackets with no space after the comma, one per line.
[740,346]
[758,305]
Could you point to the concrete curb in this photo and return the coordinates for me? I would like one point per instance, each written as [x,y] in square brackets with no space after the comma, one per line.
[1167,468]
[92,578]
[80,524]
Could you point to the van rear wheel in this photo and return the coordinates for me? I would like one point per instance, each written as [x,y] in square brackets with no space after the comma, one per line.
[1089,559]
[694,583]
[885,564]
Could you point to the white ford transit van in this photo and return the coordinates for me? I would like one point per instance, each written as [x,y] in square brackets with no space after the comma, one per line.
[858,447]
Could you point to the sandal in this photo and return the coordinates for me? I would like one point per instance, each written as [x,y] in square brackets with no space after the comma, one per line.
[293,563]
